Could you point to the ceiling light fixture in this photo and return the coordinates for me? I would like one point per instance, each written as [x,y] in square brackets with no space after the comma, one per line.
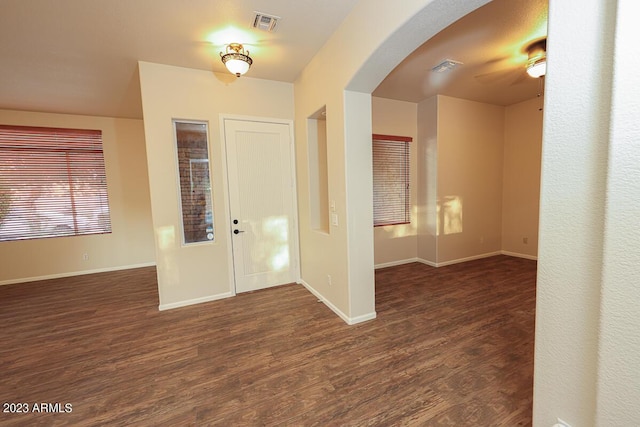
[236,59]
[537,68]
[537,63]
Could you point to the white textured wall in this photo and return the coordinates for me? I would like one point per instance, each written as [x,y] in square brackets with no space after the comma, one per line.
[618,393]
[572,211]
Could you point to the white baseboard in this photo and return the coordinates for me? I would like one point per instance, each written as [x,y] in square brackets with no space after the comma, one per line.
[471,258]
[348,320]
[362,318]
[395,263]
[518,255]
[429,263]
[200,300]
[75,273]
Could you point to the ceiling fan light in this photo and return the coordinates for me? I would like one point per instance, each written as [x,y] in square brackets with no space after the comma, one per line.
[537,68]
[236,59]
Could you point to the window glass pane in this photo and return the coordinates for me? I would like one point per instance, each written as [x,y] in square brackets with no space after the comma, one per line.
[195,186]
[391,202]
[52,183]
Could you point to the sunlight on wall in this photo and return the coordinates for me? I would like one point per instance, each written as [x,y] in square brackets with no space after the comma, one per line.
[166,237]
[166,261]
[450,215]
[402,230]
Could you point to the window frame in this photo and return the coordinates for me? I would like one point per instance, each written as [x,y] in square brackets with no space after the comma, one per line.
[181,213]
[405,169]
[57,178]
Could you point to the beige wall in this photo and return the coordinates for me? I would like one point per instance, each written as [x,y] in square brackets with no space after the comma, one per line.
[460,162]
[492,160]
[344,83]
[470,155]
[587,344]
[131,242]
[581,180]
[198,272]
[395,244]
[521,178]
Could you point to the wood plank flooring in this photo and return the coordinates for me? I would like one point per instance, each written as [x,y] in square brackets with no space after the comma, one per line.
[451,346]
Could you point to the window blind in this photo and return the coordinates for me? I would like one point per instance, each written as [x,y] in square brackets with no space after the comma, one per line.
[391,192]
[52,183]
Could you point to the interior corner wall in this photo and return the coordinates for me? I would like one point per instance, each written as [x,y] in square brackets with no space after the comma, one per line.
[427,187]
[374,50]
[470,162]
[199,272]
[322,253]
[130,244]
[394,244]
[469,157]
[359,192]
[521,178]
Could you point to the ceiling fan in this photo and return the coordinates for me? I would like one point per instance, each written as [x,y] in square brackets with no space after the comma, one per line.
[520,70]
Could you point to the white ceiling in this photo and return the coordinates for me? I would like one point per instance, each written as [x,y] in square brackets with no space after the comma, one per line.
[80,57]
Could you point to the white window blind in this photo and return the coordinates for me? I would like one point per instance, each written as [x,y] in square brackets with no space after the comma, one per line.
[391,193]
[52,183]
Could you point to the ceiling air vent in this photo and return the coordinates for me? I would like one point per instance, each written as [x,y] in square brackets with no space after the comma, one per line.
[446,65]
[265,22]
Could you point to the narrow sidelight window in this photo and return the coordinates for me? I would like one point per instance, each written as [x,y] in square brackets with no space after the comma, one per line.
[195,185]
[52,183]
[391,201]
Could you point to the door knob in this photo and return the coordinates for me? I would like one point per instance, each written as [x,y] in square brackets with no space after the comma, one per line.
[236,231]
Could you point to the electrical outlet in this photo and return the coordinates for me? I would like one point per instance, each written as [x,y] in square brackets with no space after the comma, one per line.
[85,256]
[328,279]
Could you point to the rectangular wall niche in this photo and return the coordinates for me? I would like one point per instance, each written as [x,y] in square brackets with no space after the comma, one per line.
[195,183]
[318,171]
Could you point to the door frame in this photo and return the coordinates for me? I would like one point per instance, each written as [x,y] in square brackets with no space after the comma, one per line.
[295,238]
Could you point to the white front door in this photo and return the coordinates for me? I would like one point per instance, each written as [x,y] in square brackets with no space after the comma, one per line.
[262,203]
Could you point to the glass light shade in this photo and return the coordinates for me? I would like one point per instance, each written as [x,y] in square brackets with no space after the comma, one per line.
[236,59]
[537,68]
[237,66]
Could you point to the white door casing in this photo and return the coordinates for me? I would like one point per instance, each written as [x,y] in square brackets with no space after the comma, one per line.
[262,201]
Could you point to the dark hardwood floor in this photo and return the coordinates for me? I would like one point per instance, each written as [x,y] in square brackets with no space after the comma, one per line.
[451,346]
